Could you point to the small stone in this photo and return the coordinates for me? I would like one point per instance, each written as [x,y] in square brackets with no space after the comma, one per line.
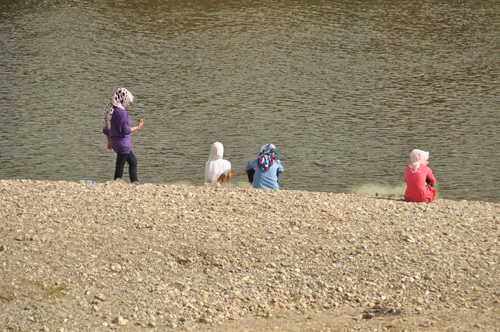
[205,320]
[368,315]
[3,247]
[116,268]
[120,320]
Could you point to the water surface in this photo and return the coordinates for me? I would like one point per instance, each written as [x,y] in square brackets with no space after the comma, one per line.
[344,89]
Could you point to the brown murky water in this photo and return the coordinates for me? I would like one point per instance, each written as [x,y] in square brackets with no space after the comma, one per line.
[344,89]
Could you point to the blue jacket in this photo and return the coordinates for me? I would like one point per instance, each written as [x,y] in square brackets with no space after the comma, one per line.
[265,180]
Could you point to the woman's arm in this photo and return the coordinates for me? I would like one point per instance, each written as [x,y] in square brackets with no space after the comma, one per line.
[251,164]
[109,144]
[105,131]
[281,169]
[431,178]
[140,123]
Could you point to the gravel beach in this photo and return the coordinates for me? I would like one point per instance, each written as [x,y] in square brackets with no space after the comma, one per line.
[115,256]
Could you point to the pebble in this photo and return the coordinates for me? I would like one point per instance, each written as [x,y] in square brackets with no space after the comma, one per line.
[207,256]
[120,320]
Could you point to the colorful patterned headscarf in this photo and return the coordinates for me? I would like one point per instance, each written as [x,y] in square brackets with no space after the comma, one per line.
[267,157]
[122,99]
[417,157]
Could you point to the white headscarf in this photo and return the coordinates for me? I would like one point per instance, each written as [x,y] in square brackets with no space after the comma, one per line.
[215,166]
[122,99]
[417,157]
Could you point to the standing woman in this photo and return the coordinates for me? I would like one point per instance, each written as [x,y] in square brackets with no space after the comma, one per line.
[419,178]
[117,130]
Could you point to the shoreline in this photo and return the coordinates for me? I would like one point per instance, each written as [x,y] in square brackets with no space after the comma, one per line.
[98,256]
[371,190]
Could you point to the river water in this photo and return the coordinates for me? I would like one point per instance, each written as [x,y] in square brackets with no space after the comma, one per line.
[344,89]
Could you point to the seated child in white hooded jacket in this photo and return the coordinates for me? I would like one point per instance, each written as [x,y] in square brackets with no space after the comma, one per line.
[217,169]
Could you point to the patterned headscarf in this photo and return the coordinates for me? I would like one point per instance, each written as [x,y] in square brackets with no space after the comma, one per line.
[267,157]
[122,99]
[417,157]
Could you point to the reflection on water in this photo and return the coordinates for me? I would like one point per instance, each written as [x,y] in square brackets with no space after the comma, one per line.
[345,90]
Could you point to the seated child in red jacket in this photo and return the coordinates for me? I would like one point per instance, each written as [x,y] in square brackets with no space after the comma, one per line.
[419,178]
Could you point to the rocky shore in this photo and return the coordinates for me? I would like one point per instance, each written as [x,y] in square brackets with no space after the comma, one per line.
[111,256]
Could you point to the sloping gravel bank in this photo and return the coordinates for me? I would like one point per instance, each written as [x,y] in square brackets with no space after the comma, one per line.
[86,257]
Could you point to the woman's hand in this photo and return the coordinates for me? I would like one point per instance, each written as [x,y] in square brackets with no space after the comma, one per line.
[139,125]
[109,144]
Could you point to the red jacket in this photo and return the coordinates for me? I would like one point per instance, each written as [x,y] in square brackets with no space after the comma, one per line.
[417,190]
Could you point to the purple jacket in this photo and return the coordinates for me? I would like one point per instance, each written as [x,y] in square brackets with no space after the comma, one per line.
[119,134]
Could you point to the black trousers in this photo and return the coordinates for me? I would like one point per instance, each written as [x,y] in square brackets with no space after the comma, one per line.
[250,174]
[121,158]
